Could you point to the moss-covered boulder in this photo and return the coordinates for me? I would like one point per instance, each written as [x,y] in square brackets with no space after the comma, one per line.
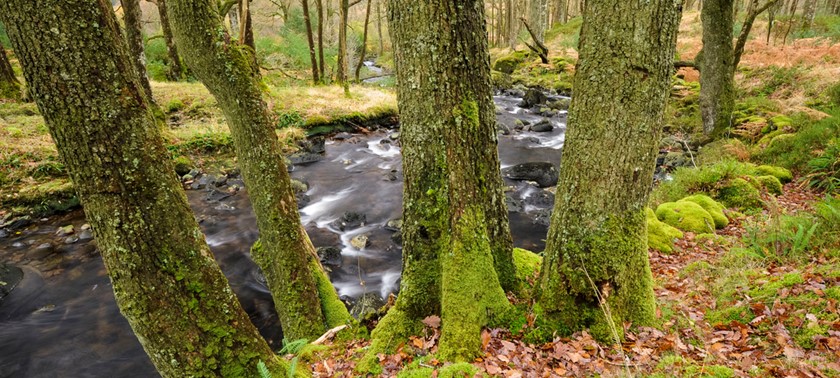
[500,80]
[723,149]
[740,193]
[782,174]
[510,62]
[686,216]
[712,207]
[771,183]
[183,165]
[660,235]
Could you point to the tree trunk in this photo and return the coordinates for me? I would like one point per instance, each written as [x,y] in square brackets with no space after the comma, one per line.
[343,9]
[285,254]
[560,11]
[513,30]
[808,13]
[246,29]
[9,84]
[134,38]
[596,259]
[717,89]
[457,252]
[165,280]
[233,16]
[361,61]
[537,18]
[310,41]
[379,27]
[321,20]
[176,71]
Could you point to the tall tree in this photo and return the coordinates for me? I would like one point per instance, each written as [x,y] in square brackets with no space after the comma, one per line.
[176,71]
[719,59]
[538,18]
[134,37]
[164,277]
[361,61]
[343,10]
[305,300]
[457,255]
[310,41]
[596,260]
[321,21]
[246,28]
[808,13]
[9,84]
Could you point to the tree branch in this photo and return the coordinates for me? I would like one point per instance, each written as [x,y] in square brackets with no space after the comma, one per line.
[225,6]
[540,48]
[745,30]
[685,64]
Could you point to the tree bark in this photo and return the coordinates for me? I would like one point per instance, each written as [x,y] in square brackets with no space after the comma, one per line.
[285,254]
[321,20]
[717,89]
[246,28]
[538,18]
[809,11]
[134,38]
[379,27]
[512,25]
[310,41]
[164,277]
[361,61]
[457,254]
[596,259]
[176,71]
[9,84]
[343,9]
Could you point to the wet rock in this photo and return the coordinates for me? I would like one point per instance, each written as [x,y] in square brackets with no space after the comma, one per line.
[330,256]
[675,160]
[543,217]
[342,136]
[518,124]
[85,227]
[543,173]
[397,238]
[502,128]
[385,141]
[514,205]
[394,225]
[17,223]
[542,126]
[541,199]
[10,276]
[390,176]
[302,200]
[71,240]
[40,252]
[66,230]
[215,195]
[532,140]
[394,136]
[533,97]
[315,145]
[4,234]
[203,182]
[367,304]
[303,158]
[560,104]
[350,220]
[360,241]
[86,235]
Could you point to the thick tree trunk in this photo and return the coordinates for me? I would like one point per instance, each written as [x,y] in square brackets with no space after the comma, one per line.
[285,254]
[134,38]
[343,9]
[596,260]
[321,21]
[457,246]
[361,61]
[9,84]
[310,41]
[176,71]
[717,88]
[165,280]
[538,18]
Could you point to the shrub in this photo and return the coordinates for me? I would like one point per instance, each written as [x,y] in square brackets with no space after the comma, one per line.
[795,151]
[824,170]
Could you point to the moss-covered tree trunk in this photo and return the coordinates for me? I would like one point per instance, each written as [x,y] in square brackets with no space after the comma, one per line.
[165,280]
[134,37]
[717,88]
[176,70]
[285,253]
[457,252]
[9,84]
[596,249]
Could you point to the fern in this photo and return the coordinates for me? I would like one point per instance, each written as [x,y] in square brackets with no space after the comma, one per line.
[263,370]
[293,347]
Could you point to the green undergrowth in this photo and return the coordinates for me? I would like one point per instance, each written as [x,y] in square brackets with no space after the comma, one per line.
[806,143]
[671,365]
[523,68]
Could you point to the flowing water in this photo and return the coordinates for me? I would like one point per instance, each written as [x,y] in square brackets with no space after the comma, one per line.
[62,321]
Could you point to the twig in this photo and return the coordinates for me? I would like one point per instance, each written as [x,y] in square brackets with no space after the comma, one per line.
[329,335]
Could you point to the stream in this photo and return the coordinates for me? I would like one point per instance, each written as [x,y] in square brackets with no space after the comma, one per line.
[61,318]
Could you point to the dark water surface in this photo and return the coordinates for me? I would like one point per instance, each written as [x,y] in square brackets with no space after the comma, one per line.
[62,320]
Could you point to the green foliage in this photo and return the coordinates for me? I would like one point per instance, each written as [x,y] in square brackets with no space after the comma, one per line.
[174,105]
[792,237]
[794,152]
[291,118]
[714,208]
[157,59]
[781,173]
[263,370]
[4,38]
[205,142]
[660,235]
[833,94]
[459,370]
[509,63]
[704,179]
[740,193]
[824,170]
[686,216]
[775,79]
[677,366]
[722,150]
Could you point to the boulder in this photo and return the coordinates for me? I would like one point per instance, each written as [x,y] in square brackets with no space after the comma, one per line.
[368,303]
[360,241]
[686,216]
[329,256]
[350,220]
[533,97]
[712,207]
[542,126]
[10,276]
[660,235]
[543,173]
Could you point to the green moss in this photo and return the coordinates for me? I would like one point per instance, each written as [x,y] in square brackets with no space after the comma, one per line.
[393,330]
[686,216]
[696,268]
[804,336]
[660,235]
[183,165]
[770,290]
[728,314]
[459,370]
[174,105]
[722,150]
[500,80]
[334,310]
[784,175]
[419,372]
[711,206]
[508,63]
[771,183]
[741,194]
[717,239]
[527,264]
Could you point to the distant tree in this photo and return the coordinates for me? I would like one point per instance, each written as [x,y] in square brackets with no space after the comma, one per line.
[165,280]
[361,61]
[246,28]
[176,70]
[343,10]
[305,300]
[132,16]
[311,42]
[9,84]
[321,20]
[595,271]
[538,18]
[457,248]
[809,12]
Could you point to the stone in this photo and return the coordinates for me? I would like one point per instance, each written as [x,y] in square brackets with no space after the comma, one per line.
[10,276]
[394,224]
[350,220]
[394,136]
[65,230]
[330,256]
[368,303]
[360,241]
[86,235]
[342,136]
[533,97]
[686,216]
[542,126]
[543,173]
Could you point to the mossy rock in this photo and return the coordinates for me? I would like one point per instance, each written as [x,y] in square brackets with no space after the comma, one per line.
[711,206]
[510,62]
[686,216]
[660,235]
[771,183]
[740,193]
[527,263]
[723,149]
[781,121]
[183,165]
[501,80]
[782,174]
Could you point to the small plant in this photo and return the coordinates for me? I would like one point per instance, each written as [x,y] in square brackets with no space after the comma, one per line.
[263,370]
[290,119]
[825,169]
